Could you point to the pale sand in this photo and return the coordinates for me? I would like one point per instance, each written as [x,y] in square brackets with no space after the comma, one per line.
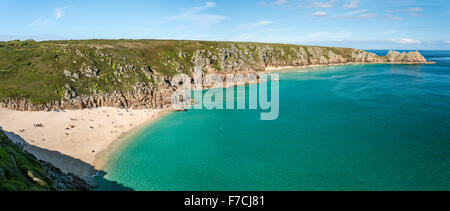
[83,150]
[78,149]
[287,68]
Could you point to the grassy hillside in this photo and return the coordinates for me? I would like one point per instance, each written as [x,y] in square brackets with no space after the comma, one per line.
[19,171]
[40,71]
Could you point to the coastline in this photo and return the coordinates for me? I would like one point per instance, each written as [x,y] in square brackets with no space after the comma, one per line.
[102,158]
[75,140]
[95,143]
[286,68]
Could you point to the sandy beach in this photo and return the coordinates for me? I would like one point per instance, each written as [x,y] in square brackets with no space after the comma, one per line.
[287,68]
[80,141]
[73,140]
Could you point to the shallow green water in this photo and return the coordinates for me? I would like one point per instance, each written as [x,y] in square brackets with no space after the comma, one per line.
[360,127]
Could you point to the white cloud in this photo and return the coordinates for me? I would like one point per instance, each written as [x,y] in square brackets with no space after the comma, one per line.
[412,11]
[417,9]
[352,4]
[203,19]
[44,22]
[276,2]
[447,41]
[320,14]
[408,41]
[355,12]
[358,14]
[322,4]
[394,18]
[366,16]
[415,12]
[279,2]
[257,24]
[195,10]
[59,12]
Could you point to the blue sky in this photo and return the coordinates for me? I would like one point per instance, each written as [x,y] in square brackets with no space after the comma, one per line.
[366,24]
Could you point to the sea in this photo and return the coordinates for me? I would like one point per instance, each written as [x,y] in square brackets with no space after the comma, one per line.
[340,128]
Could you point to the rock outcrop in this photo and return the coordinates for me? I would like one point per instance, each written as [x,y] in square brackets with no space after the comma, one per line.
[405,58]
[139,74]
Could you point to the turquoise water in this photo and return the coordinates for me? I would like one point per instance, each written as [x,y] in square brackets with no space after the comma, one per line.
[358,127]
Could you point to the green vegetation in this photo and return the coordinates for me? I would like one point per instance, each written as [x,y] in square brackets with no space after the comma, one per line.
[20,171]
[37,71]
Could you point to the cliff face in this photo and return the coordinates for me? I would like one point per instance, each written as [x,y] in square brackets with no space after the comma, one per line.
[405,58]
[393,57]
[20,171]
[139,73]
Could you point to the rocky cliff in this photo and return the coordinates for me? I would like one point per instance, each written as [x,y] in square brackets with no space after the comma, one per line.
[20,171]
[139,73]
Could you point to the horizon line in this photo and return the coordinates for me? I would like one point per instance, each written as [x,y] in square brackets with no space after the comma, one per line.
[229,41]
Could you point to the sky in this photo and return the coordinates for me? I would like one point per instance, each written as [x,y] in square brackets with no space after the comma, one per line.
[364,24]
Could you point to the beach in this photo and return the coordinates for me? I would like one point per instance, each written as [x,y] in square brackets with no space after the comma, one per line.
[287,68]
[78,141]
[81,141]
[73,140]
[331,134]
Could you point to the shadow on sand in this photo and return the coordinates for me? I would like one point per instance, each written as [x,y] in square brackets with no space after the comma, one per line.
[67,164]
